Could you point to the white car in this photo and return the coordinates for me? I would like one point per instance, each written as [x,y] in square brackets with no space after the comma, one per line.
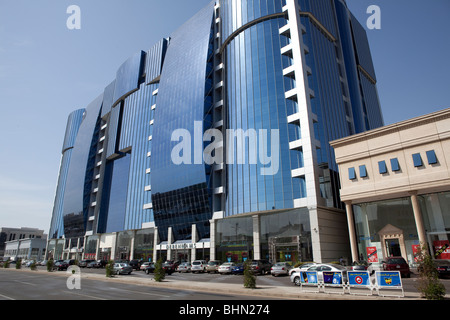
[303,267]
[226,267]
[198,266]
[320,268]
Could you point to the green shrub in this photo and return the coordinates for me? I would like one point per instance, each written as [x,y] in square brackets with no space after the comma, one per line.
[6,264]
[19,264]
[429,285]
[159,273]
[249,277]
[50,264]
[33,265]
[110,269]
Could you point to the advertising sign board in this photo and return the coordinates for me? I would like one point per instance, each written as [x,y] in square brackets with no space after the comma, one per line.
[372,254]
[332,278]
[358,278]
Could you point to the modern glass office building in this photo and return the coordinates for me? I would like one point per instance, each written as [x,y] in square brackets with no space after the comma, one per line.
[261,87]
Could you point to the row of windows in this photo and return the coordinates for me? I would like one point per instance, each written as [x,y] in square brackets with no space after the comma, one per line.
[395,165]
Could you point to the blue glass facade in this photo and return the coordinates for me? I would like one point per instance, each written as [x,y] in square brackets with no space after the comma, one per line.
[233,66]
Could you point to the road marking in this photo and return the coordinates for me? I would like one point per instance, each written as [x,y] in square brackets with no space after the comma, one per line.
[27,283]
[147,293]
[6,297]
[84,295]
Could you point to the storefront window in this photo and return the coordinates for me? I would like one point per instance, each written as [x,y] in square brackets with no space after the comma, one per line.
[91,247]
[123,245]
[436,213]
[143,244]
[234,239]
[286,236]
[386,228]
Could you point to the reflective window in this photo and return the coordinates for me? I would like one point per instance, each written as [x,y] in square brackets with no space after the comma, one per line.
[417,159]
[395,165]
[382,167]
[431,155]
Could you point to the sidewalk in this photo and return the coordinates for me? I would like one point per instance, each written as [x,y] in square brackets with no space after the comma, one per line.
[277,292]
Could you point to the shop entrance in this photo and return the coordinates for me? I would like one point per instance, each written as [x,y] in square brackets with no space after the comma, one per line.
[393,248]
[392,242]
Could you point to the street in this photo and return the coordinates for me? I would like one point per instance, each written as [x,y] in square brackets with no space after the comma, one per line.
[42,286]
[26,285]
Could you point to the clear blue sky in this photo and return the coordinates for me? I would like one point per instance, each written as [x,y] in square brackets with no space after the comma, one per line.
[47,71]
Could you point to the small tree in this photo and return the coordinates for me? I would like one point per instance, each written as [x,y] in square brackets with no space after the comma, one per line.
[429,285]
[159,273]
[50,265]
[110,269]
[19,264]
[249,277]
[33,265]
[6,264]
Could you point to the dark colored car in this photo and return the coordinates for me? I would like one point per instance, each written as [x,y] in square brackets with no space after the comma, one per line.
[397,264]
[443,269]
[135,264]
[363,265]
[238,269]
[170,266]
[63,265]
[150,268]
[261,266]
[84,263]
[97,264]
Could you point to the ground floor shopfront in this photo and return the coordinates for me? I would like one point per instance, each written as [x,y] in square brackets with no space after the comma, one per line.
[398,227]
[285,235]
[395,182]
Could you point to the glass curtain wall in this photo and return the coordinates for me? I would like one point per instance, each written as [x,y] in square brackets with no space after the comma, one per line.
[234,239]
[286,236]
[256,101]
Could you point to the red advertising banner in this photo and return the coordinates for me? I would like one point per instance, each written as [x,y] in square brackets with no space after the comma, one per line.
[416,251]
[372,254]
[441,249]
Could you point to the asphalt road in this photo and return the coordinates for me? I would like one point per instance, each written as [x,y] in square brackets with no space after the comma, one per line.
[29,286]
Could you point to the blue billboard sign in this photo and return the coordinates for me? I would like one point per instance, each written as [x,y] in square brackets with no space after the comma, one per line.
[332,277]
[389,279]
[358,278]
[309,277]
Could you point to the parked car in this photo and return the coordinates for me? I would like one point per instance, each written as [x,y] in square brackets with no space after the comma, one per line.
[303,267]
[84,263]
[397,264]
[150,268]
[260,266]
[198,266]
[320,268]
[62,265]
[97,264]
[184,267]
[226,267]
[238,269]
[144,265]
[443,269]
[170,266]
[122,268]
[213,266]
[280,268]
[363,266]
[135,264]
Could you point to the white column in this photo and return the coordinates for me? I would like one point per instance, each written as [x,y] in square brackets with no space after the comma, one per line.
[256,238]
[212,238]
[352,231]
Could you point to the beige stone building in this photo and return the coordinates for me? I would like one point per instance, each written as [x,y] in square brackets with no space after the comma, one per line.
[395,182]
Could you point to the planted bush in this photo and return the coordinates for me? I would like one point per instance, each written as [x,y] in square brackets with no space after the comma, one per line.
[159,273]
